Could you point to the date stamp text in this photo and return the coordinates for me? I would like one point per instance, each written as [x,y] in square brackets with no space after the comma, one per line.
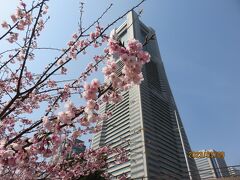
[206,154]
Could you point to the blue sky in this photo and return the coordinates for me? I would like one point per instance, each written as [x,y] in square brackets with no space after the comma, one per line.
[200,47]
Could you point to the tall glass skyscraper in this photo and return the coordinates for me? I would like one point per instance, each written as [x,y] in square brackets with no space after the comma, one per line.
[147,122]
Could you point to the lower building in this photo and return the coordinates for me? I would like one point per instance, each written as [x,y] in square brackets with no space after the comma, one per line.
[78,146]
[211,167]
[234,171]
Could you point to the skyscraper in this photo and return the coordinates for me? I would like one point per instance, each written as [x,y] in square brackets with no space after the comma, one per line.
[211,167]
[146,122]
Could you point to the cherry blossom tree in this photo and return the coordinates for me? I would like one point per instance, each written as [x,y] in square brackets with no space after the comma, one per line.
[34,146]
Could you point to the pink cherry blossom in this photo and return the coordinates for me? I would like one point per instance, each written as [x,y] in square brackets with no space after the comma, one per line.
[39,122]
[46,123]
[4,25]
[13,37]
[14,18]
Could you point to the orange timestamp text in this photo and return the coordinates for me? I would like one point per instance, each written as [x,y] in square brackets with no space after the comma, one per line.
[206,154]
